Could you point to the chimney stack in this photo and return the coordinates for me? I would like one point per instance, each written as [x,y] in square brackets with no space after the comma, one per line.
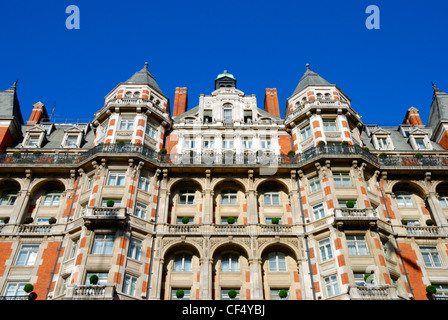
[271,102]
[38,115]
[180,101]
[413,117]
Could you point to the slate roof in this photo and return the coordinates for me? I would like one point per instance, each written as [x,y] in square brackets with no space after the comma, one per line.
[439,108]
[9,104]
[308,79]
[145,77]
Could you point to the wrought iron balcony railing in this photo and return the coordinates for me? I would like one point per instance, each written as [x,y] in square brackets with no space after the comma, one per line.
[225,158]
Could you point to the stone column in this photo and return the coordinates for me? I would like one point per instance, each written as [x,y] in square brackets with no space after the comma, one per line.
[164,199]
[256,280]
[205,281]
[436,209]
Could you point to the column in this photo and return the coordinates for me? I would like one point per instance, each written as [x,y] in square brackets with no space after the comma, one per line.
[256,280]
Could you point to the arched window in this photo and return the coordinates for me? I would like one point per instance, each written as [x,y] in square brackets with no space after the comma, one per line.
[277,261]
[229,197]
[404,199]
[8,198]
[183,262]
[230,263]
[319,96]
[327,96]
[186,197]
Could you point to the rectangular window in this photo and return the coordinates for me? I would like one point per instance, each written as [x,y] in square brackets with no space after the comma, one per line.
[73,248]
[52,199]
[331,286]
[318,211]
[140,210]
[330,125]
[135,249]
[269,220]
[151,131]
[129,285]
[188,143]
[71,141]
[431,256]
[117,203]
[277,261]
[342,179]
[314,184]
[14,289]
[247,143]
[357,245]
[229,197]
[27,255]
[305,132]
[343,203]
[8,199]
[266,144]
[33,141]
[325,250]
[209,143]
[224,220]
[183,262]
[187,197]
[116,178]
[420,143]
[103,244]
[227,143]
[228,115]
[143,184]
[127,124]
[362,279]
[382,143]
[271,198]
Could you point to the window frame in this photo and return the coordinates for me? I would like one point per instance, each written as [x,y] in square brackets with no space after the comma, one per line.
[126,123]
[271,195]
[359,243]
[430,253]
[325,249]
[30,254]
[117,174]
[277,262]
[103,242]
[342,178]
[186,262]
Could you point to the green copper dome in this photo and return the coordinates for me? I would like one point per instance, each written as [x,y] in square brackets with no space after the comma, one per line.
[225,74]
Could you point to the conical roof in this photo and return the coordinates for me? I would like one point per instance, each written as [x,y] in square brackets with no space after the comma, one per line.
[310,78]
[145,77]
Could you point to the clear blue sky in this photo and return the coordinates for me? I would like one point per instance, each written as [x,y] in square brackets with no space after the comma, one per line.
[264,44]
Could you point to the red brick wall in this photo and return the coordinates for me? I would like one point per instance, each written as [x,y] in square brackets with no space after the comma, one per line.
[45,270]
[6,138]
[5,252]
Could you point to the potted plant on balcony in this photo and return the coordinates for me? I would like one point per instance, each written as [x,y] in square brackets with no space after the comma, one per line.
[163,151]
[283,294]
[16,154]
[344,143]
[232,294]
[430,223]
[291,153]
[37,153]
[185,220]
[110,203]
[93,279]
[404,222]
[430,292]
[28,288]
[28,220]
[321,144]
[382,155]
[52,220]
[230,220]
[350,204]
[418,155]
[275,220]
[180,294]
[5,220]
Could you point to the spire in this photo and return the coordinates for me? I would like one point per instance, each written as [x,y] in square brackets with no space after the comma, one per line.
[310,78]
[145,77]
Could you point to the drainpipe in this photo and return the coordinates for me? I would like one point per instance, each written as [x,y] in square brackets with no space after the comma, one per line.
[306,241]
[396,242]
[154,237]
[60,245]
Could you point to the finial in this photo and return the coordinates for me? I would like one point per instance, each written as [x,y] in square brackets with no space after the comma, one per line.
[15,83]
[146,65]
[225,71]
[308,66]
[434,87]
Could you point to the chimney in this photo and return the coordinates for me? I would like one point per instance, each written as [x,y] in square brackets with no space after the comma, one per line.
[38,115]
[413,117]
[180,101]
[271,102]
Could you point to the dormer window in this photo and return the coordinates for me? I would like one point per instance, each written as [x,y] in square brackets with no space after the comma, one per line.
[71,141]
[420,143]
[33,141]
[419,140]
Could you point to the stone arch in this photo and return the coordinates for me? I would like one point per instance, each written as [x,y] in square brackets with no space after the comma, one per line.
[259,182]
[41,182]
[185,245]
[228,245]
[175,181]
[411,186]
[278,244]
[218,181]
[10,184]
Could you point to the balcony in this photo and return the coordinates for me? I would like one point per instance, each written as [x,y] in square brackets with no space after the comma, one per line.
[228,229]
[90,292]
[355,217]
[36,229]
[376,292]
[105,217]
[420,231]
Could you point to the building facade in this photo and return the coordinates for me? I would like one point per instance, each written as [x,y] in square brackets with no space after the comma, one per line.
[152,202]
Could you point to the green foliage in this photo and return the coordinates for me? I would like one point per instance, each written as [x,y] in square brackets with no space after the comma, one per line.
[430,222]
[230,220]
[28,220]
[163,151]
[232,294]
[52,220]
[110,203]
[93,279]
[291,153]
[28,288]
[275,220]
[321,144]
[5,220]
[431,289]
[418,155]
[180,294]
[344,143]
[185,220]
[404,222]
[350,204]
[283,294]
